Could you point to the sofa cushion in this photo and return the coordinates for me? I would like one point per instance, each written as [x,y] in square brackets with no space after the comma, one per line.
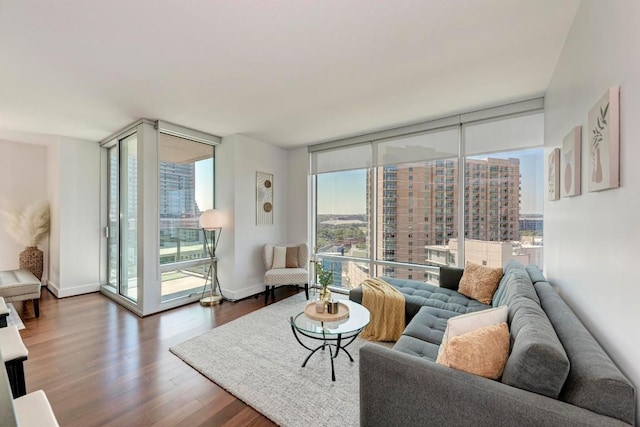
[535,274]
[417,347]
[420,294]
[514,284]
[450,277]
[480,282]
[538,362]
[429,324]
[594,382]
[482,352]
[286,276]
[19,284]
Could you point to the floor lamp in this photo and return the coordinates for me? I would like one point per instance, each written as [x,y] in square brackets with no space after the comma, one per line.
[210,221]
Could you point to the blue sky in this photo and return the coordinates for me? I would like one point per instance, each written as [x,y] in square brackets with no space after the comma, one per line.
[344,192]
[204,184]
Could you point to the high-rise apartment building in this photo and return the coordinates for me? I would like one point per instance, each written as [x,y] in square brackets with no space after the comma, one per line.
[178,190]
[419,206]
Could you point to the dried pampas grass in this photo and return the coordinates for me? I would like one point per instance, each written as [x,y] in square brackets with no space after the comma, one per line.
[30,226]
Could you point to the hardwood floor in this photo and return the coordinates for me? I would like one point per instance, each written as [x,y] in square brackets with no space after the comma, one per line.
[101,365]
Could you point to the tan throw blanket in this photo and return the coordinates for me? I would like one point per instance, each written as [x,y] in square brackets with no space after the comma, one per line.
[386,305]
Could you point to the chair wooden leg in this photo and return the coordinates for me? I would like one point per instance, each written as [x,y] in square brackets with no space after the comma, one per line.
[36,307]
[306,290]
[273,293]
[266,295]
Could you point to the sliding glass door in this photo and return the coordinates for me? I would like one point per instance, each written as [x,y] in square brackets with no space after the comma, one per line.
[159,178]
[122,196]
[112,231]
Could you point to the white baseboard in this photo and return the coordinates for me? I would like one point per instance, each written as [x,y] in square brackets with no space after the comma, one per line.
[85,289]
[243,293]
[72,291]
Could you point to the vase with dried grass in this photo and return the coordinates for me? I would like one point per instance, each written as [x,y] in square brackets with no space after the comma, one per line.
[29,227]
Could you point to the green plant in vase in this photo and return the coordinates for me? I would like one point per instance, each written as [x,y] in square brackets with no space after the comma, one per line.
[325,278]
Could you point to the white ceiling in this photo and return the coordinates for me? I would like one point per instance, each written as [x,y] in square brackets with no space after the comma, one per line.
[287,72]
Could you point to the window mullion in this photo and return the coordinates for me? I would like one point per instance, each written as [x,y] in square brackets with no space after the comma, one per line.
[461,195]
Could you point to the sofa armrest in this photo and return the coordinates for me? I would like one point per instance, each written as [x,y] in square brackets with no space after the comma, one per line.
[401,389]
[450,277]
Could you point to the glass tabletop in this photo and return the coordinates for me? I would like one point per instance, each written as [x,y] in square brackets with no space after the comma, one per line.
[357,320]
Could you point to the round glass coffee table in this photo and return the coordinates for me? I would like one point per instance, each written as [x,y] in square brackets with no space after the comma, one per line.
[333,335]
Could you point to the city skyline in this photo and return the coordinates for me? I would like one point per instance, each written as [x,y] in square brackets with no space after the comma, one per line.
[344,193]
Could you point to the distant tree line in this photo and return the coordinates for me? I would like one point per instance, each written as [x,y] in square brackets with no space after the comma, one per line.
[349,234]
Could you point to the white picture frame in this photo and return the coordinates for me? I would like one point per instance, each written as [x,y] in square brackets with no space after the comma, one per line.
[264,198]
[603,142]
[571,163]
[553,175]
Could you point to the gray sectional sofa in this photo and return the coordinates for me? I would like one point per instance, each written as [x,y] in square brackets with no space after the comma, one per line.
[556,374]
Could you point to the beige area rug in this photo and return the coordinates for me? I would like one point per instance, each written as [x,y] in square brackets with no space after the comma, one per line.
[257,359]
[14,319]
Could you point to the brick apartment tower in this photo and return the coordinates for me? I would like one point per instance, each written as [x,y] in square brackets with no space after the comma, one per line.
[419,207]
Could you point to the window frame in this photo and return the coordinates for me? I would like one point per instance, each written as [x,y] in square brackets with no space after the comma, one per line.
[447,180]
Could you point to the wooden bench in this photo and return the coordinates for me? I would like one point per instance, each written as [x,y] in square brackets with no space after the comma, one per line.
[20,285]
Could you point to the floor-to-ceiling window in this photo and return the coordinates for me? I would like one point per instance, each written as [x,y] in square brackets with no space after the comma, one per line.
[343,217]
[343,225]
[158,179]
[185,191]
[415,202]
[503,190]
[474,175]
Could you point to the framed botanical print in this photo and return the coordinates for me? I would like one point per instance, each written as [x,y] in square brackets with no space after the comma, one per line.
[604,142]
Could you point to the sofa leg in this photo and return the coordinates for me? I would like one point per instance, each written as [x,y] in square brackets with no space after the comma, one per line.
[306,291]
[36,307]
[15,372]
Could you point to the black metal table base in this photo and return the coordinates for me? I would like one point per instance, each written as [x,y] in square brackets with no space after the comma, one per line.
[336,341]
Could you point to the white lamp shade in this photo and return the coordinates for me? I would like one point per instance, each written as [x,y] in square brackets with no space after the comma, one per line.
[211,219]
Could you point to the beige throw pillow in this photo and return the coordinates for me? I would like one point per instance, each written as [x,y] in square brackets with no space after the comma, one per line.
[291,257]
[482,352]
[471,321]
[480,282]
[279,257]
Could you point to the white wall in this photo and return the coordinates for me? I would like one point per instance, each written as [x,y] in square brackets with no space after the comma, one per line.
[65,172]
[238,158]
[74,194]
[23,181]
[591,241]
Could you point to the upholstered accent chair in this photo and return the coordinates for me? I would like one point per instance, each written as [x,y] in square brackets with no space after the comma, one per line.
[286,265]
